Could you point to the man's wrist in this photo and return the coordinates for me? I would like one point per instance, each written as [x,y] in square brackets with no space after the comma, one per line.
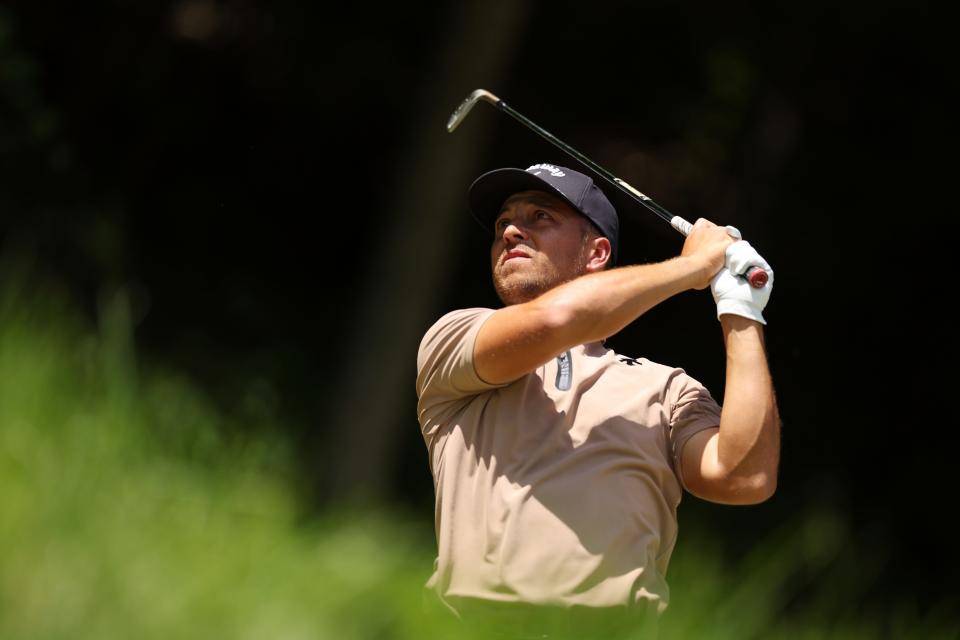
[739,308]
[696,272]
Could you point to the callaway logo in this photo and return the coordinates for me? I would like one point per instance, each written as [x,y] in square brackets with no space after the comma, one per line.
[554,171]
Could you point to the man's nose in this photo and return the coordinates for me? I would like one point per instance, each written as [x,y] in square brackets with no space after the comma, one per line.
[514,232]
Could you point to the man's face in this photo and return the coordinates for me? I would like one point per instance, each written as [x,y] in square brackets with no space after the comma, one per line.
[539,242]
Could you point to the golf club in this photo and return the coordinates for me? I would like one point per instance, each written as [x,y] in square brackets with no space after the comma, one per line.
[756,276]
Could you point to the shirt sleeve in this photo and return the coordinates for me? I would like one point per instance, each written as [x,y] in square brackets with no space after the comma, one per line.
[445,367]
[693,409]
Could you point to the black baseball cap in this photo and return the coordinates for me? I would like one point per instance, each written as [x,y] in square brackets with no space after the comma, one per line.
[488,193]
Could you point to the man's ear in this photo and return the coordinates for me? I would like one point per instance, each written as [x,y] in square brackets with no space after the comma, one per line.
[600,254]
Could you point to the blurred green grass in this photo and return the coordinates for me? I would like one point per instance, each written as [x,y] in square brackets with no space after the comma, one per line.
[130,509]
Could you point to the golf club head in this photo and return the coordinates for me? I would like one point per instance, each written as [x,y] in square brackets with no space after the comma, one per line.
[461,112]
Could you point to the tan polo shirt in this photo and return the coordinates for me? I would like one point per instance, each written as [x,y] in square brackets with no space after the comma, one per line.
[559,488]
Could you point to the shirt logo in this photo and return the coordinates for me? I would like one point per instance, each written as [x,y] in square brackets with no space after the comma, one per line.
[630,361]
[564,371]
[537,169]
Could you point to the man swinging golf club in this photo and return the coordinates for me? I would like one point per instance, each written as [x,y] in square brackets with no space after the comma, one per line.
[558,464]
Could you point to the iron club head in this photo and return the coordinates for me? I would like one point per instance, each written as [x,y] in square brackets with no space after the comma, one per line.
[461,112]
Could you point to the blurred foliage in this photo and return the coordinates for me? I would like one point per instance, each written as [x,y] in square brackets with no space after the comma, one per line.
[129,509]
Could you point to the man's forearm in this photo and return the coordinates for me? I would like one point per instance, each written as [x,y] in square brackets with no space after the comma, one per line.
[748,446]
[599,305]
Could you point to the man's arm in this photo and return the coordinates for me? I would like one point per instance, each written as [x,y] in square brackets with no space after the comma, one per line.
[737,463]
[519,338]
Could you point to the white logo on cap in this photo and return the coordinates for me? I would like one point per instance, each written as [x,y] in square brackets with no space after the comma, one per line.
[554,171]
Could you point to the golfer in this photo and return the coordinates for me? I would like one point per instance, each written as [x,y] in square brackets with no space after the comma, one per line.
[558,464]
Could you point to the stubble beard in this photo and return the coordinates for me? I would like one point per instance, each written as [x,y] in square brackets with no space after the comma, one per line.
[516,288]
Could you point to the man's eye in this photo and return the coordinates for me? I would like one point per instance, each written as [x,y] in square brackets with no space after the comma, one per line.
[502,224]
[542,215]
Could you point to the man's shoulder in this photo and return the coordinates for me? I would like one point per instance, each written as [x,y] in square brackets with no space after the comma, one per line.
[461,314]
[455,318]
[445,356]
[451,327]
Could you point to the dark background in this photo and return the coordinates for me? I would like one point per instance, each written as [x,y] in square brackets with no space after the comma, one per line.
[273,185]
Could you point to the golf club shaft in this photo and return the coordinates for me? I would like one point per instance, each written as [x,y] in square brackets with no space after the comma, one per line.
[756,276]
[606,175]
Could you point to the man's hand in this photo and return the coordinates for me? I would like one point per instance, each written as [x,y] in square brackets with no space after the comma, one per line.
[707,243]
[733,294]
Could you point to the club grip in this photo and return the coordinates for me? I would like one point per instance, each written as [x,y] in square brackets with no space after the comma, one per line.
[756,276]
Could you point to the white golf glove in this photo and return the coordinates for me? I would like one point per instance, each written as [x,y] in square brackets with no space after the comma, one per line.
[733,294]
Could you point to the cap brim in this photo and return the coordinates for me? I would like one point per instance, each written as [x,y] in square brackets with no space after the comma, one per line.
[488,192]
